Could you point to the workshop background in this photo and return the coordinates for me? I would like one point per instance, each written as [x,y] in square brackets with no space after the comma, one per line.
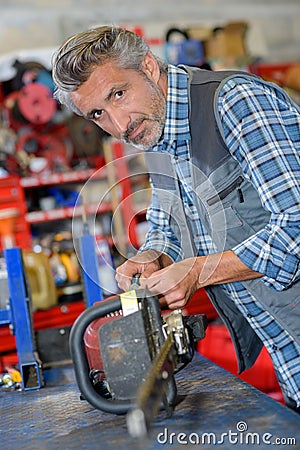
[56,171]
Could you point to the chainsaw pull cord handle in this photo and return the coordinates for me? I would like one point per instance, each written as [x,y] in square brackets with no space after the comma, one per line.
[81,366]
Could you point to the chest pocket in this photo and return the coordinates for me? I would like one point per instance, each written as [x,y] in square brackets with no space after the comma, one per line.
[232,210]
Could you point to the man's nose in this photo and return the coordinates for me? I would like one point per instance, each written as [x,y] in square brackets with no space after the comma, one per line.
[120,121]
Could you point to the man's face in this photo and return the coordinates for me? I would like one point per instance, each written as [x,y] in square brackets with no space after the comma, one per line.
[127,104]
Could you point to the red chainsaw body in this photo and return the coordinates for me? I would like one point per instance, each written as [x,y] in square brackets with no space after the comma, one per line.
[91,340]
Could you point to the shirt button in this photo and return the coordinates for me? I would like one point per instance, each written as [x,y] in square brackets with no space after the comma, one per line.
[249,316]
[274,347]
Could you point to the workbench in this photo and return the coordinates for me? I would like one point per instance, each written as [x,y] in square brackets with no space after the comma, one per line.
[215,408]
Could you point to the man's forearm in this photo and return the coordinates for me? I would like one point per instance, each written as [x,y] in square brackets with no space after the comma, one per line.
[223,267]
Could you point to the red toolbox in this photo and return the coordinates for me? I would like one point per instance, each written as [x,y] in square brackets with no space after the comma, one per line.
[218,347]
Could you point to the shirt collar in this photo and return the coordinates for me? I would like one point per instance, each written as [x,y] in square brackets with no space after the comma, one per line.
[177,113]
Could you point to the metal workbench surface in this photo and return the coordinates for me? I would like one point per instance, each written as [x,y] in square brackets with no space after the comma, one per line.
[215,409]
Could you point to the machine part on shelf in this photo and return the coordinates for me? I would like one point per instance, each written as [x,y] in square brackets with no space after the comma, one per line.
[129,351]
[36,103]
[87,140]
[18,316]
[59,272]
[63,245]
[28,142]
[34,87]
[56,148]
[63,197]
[28,72]
[32,104]
[49,152]
[70,292]
[36,165]
[8,140]
[71,267]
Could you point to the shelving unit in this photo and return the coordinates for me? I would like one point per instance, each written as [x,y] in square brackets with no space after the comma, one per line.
[75,178]
[60,179]
[95,204]
[16,192]
[115,221]
[124,184]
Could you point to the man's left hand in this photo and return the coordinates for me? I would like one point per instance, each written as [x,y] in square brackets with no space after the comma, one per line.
[175,284]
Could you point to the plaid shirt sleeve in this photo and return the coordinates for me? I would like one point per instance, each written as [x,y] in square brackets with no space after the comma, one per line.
[262,131]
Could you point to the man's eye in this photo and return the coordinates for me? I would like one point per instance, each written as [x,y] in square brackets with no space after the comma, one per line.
[97,114]
[119,94]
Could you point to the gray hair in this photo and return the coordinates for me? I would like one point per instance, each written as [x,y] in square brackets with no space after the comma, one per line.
[75,60]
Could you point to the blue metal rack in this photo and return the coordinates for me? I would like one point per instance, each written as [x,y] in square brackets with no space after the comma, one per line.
[18,316]
[93,291]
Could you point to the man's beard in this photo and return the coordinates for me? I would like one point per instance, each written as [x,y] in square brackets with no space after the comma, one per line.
[153,123]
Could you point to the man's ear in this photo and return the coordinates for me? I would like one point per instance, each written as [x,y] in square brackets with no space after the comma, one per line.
[150,67]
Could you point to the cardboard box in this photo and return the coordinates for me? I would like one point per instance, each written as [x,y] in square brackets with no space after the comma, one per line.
[222,42]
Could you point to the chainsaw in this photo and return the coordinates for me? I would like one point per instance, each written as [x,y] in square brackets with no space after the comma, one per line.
[126,352]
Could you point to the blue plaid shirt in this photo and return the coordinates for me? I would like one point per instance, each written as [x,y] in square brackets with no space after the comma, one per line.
[261,128]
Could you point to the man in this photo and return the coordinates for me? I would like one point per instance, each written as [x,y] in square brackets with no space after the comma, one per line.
[222,149]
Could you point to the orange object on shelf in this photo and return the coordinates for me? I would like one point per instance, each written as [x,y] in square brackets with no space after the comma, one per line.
[7,226]
[13,209]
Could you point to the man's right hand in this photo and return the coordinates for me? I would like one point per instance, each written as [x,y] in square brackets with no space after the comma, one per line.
[144,263]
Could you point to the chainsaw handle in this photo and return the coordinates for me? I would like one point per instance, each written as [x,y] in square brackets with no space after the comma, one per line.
[81,366]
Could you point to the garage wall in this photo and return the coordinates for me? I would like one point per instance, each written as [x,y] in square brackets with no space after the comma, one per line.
[273,32]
